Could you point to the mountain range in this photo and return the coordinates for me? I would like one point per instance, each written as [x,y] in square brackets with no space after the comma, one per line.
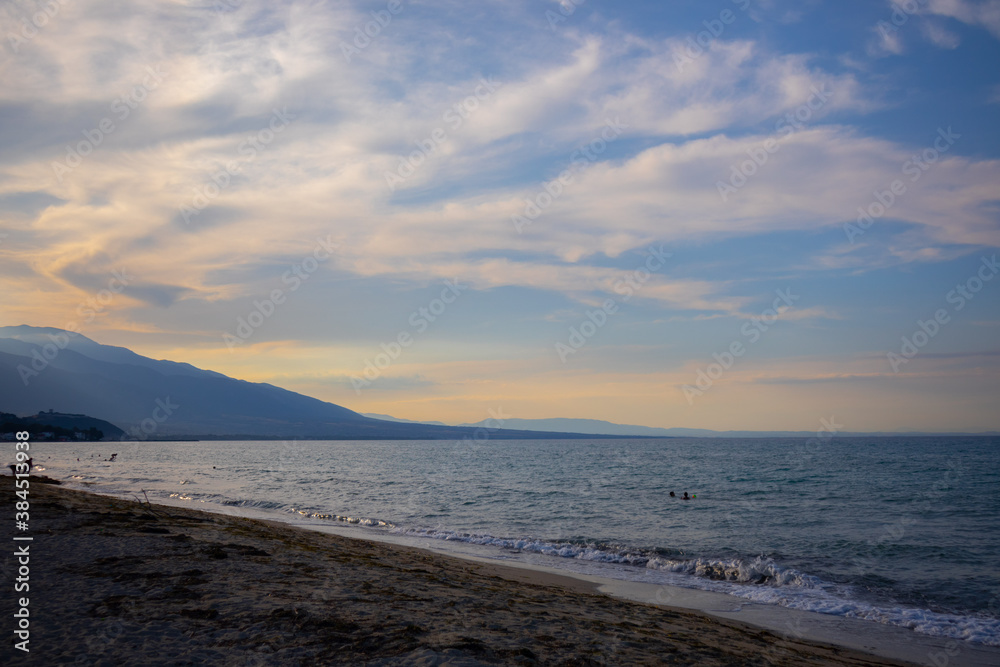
[44,369]
[611,429]
[599,427]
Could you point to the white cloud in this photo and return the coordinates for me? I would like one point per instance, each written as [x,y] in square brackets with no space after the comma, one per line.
[940,36]
[888,36]
[885,41]
[325,173]
[818,177]
[982,13]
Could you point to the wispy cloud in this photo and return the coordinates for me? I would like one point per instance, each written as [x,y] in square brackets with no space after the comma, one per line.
[982,13]
[222,75]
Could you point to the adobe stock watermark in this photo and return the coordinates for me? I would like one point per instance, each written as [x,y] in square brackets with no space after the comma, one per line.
[779,650]
[626,286]
[827,430]
[264,309]
[474,442]
[89,309]
[227,6]
[952,649]
[925,500]
[580,160]
[419,321]
[740,173]
[364,34]
[248,150]
[696,46]
[290,454]
[30,27]
[752,331]
[900,16]
[122,108]
[914,167]
[566,9]
[150,425]
[454,117]
[925,331]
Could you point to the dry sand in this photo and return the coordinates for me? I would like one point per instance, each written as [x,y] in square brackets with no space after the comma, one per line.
[121,583]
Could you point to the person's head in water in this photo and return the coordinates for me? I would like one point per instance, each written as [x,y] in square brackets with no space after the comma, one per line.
[673,495]
[686,496]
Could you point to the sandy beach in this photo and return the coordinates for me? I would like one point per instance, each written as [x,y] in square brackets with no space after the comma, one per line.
[120,582]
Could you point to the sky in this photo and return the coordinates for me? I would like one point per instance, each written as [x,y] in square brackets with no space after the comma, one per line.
[740,214]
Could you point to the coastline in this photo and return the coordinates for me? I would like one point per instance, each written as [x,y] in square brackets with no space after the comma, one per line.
[118,581]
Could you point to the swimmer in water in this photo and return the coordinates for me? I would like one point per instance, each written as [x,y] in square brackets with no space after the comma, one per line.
[673,495]
[686,496]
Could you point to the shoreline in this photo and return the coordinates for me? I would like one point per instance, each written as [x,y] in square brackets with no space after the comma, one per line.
[885,640]
[169,584]
[891,642]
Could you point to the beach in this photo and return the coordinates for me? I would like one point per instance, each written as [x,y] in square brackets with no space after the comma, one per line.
[115,581]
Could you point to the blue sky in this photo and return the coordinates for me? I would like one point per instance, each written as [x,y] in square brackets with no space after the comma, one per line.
[250,149]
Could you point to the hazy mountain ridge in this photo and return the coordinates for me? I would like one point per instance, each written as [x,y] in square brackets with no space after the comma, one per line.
[51,369]
[41,336]
[612,429]
[600,427]
[390,418]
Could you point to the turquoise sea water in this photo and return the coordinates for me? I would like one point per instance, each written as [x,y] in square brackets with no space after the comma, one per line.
[903,531]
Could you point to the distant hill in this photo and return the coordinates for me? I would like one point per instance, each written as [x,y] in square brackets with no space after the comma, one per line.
[592,426]
[79,427]
[44,368]
[387,418]
[598,427]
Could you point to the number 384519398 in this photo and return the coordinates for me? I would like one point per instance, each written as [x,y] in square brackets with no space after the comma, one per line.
[22,447]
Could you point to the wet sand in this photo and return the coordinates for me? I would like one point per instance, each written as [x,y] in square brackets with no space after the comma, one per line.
[120,582]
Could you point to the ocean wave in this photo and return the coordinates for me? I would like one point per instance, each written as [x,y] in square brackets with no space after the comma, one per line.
[560,549]
[837,601]
[254,504]
[757,579]
[355,520]
[758,570]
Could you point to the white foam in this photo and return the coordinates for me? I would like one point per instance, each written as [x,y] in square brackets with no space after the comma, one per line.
[757,579]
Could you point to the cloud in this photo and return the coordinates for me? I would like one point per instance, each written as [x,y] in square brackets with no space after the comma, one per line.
[688,128]
[27,204]
[833,377]
[818,177]
[981,13]
[940,36]
[886,42]
[388,383]
[812,313]
[888,34]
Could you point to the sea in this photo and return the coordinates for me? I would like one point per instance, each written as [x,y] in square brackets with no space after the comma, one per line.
[902,531]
